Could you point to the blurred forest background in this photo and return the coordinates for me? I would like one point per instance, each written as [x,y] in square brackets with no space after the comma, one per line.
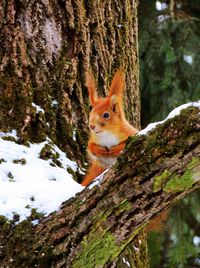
[169,46]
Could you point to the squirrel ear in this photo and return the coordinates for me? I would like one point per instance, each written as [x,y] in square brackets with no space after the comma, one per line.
[90,83]
[117,85]
[113,102]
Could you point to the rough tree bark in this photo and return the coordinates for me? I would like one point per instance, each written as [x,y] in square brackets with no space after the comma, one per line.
[95,227]
[46,49]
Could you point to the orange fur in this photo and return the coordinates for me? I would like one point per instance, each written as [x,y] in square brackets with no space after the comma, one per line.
[98,150]
[107,135]
[95,170]
[117,85]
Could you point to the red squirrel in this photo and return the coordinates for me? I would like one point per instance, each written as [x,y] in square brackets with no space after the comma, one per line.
[109,131]
[109,128]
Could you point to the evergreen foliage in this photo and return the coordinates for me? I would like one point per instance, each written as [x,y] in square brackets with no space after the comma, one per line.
[169,38]
[169,58]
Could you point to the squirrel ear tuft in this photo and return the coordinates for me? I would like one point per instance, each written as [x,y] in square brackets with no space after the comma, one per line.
[117,85]
[90,83]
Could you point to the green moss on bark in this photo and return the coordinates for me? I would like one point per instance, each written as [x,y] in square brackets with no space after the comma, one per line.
[176,183]
[99,249]
[160,180]
[179,183]
[96,250]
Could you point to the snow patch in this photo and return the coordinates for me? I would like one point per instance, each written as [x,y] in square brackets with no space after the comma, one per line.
[136,249]
[188,59]
[172,114]
[196,240]
[27,181]
[12,133]
[98,179]
[38,108]
[54,103]
[161,6]
[74,134]
[162,18]
[126,262]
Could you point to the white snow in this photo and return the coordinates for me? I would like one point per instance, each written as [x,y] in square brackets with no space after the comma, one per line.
[27,181]
[54,103]
[12,134]
[188,59]
[172,114]
[38,108]
[161,6]
[162,18]
[98,179]
[136,249]
[126,262]
[74,134]
[196,240]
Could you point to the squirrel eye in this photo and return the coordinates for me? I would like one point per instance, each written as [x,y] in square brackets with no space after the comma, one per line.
[106,115]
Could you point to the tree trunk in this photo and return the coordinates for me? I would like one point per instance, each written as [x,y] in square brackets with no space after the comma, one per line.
[46,49]
[95,227]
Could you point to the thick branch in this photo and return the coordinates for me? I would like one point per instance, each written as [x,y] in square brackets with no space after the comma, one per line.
[92,229]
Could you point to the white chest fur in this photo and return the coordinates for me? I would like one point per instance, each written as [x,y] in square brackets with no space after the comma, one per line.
[107,139]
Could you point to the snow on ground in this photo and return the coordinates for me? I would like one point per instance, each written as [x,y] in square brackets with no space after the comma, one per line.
[27,181]
[172,114]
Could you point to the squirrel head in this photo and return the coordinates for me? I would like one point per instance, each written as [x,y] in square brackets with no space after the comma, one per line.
[107,113]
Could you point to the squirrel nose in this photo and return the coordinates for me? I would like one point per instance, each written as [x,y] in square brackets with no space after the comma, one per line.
[92,126]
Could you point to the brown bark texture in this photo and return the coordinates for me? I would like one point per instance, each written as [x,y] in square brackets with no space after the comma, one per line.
[101,222]
[47,47]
